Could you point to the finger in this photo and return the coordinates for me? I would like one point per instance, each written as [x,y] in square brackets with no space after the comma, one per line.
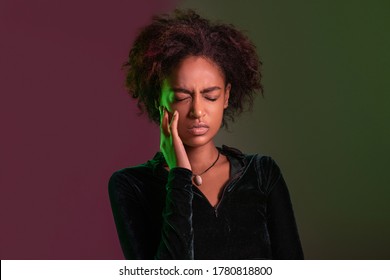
[161,109]
[174,123]
[168,122]
[165,123]
[161,118]
[181,154]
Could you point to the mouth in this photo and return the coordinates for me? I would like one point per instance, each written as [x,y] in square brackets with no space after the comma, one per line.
[198,129]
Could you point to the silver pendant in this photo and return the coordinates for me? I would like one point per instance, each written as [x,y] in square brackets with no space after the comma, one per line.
[198,180]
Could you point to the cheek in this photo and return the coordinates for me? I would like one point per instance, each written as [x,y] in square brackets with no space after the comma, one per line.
[217,111]
[183,112]
[182,121]
[182,127]
[182,108]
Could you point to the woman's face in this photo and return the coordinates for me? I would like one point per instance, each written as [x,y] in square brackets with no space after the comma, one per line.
[196,89]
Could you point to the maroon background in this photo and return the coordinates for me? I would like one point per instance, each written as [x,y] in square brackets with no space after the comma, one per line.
[63,111]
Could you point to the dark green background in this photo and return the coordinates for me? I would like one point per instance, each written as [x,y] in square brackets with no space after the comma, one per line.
[324,117]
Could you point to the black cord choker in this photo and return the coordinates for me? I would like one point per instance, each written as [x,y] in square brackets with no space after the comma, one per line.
[197,179]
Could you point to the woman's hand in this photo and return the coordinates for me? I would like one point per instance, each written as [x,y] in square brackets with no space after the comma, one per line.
[170,143]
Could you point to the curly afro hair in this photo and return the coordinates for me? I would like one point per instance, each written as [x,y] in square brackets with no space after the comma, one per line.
[169,39]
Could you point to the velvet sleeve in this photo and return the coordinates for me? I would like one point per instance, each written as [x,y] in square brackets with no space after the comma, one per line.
[283,232]
[128,206]
[177,236]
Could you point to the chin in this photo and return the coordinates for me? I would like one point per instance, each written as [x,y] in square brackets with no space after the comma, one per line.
[196,141]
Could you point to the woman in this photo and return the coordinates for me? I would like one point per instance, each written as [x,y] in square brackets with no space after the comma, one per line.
[194,200]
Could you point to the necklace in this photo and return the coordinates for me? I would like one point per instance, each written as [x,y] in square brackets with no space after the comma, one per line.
[197,179]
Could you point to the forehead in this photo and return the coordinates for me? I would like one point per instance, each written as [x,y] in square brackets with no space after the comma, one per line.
[196,69]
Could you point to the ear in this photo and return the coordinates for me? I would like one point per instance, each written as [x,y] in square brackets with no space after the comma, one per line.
[227,95]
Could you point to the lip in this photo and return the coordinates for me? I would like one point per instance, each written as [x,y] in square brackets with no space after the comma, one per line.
[198,129]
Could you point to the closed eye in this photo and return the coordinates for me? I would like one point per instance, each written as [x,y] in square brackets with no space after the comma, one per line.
[181,96]
[180,99]
[211,98]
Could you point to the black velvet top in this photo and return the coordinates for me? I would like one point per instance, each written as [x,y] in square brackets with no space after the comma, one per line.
[162,215]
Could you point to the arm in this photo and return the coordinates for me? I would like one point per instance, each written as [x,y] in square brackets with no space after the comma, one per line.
[177,236]
[134,226]
[177,233]
[285,242]
[128,204]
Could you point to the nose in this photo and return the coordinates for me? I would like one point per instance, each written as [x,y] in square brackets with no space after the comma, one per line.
[197,110]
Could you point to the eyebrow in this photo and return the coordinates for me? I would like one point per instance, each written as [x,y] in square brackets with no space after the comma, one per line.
[206,90]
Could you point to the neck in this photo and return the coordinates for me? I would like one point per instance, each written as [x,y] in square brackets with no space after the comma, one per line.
[201,157]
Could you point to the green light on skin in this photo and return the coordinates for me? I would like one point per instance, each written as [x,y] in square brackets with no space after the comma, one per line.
[167,97]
